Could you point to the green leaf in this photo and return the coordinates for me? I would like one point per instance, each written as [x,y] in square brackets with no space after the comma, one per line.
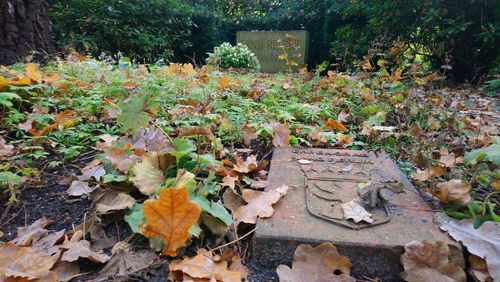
[491,153]
[6,97]
[370,110]
[9,179]
[133,116]
[183,147]
[215,209]
[135,218]
[113,178]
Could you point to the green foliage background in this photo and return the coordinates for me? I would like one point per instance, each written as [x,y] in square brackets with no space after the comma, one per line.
[463,34]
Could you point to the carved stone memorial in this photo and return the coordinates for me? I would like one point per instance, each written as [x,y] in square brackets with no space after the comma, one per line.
[360,201]
[264,44]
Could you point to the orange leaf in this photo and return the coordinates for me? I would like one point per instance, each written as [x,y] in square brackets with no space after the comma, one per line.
[51,78]
[335,124]
[170,218]
[33,73]
[223,83]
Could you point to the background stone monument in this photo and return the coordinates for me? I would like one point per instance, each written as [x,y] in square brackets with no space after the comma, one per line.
[266,47]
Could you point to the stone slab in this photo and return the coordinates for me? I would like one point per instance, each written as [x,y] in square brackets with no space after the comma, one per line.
[265,46]
[374,251]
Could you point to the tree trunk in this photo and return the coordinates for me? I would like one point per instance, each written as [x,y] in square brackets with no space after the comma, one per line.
[24,27]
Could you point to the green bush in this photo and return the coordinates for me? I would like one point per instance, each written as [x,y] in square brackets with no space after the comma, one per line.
[228,56]
[142,30]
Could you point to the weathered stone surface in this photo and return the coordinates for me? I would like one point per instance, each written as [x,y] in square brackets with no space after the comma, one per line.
[265,46]
[310,212]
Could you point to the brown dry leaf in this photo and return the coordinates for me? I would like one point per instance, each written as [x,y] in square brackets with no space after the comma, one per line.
[447,159]
[424,261]
[109,140]
[148,174]
[249,134]
[223,83]
[119,158]
[5,150]
[232,201]
[88,172]
[203,266]
[281,134]
[66,271]
[25,263]
[247,166]
[126,261]
[110,200]
[259,204]
[483,242]
[152,140]
[454,190]
[415,130]
[316,264]
[79,188]
[354,211]
[33,73]
[27,236]
[51,78]
[429,173]
[76,248]
[170,218]
[229,181]
[195,131]
[335,124]
[479,269]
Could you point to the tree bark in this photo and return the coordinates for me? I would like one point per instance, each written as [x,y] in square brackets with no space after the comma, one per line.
[24,28]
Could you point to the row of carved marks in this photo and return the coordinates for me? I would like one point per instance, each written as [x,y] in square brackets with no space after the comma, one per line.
[337,153]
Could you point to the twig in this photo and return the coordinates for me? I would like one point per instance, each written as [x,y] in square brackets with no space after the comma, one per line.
[169,138]
[234,241]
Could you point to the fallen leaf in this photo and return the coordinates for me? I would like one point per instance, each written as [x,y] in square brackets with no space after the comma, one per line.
[229,181]
[152,139]
[76,248]
[108,141]
[259,204]
[249,134]
[96,172]
[196,131]
[148,175]
[281,135]
[479,269]
[247,166]
[203,266]
[423,261]
[454,190]
[119,158]
[79,188]
[111,200]
[428,173]
[354,211]
[29,235]
[316,264]
[5,150]
[448,160]
[66,271]
[346,169]
[483,242]
[232,201]
[335,124]
[170,218]
[125,261]
[26,263]
[33,73]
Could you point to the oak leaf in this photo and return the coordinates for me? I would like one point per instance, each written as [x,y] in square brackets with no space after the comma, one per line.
[316,264]
[281,134]
[454,190]
[429,173]
[354,211]
[423,261]
[148,174]
[204,266]
[170,217]
[259,204]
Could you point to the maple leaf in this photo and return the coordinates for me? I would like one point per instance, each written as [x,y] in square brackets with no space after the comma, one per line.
[316,264]
[281,135]
[354,211]
[148,174]
[453,191]
[204,266]
[249,134]
[170,217]
[335,124]
[424,261]
[259,204]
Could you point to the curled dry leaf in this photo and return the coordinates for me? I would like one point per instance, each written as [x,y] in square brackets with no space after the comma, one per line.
[354,211]
[281,134]
[79,188]
[429,173]
[259,204]
[76,248]
[149,174]
[249,134]
[454,190]
[479,269]
[170,218]
[335,124]
[316,264]
[111,200]
[96,172]
[5,150]
[229,181]
[196,130]
[483,242]
[203,266]
[29,235]
[125,261]
[424,261]
[25,263]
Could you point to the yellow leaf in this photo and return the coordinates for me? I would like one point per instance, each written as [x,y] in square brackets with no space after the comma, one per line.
[335,124]
[33,73]
[3,82]
[21,81]
[170,218]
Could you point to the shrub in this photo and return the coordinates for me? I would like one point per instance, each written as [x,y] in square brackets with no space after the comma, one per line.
[142,30]
[228,56]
